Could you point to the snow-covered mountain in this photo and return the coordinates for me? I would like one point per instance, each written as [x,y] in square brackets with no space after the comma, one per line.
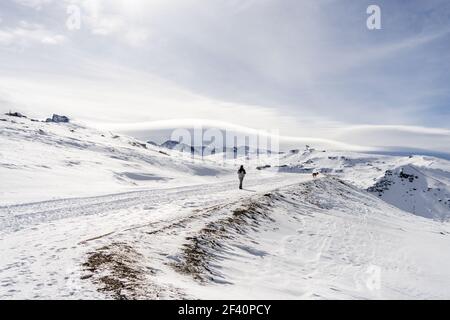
[411,189]
[211,150]
[47,160]
[416,184]
[90,214]
[182,147]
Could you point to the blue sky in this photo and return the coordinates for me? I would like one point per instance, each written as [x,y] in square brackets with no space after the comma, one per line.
[307,68]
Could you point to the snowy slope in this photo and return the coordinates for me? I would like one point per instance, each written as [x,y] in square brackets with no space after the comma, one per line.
[320,240]
[45,245]
[288,237]
[428,195]
[42,161]
[411,189]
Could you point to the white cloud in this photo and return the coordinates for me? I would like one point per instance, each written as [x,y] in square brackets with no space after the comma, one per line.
[146,128]
[405,129]
[412,137]
[135,37]
[117,19]
[106,25]
[27,34]
[53,40]
[6,37]
[35,4]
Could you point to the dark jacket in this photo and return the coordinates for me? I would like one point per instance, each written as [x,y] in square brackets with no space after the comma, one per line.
[241,172]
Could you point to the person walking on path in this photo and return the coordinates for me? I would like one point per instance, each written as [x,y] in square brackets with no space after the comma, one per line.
[241,175]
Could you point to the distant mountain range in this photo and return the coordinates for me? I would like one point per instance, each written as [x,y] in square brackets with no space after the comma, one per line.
[209,150]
